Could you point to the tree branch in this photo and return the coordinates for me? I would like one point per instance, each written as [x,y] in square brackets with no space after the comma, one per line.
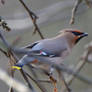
[33,17]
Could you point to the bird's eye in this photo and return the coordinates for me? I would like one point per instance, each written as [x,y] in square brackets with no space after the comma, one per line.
[77,33]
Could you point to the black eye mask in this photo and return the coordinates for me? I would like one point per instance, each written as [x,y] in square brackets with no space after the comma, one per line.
[77,33]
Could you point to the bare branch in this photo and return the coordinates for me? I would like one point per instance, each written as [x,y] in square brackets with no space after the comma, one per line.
[78,67]
[27,81]
[33,17]
[37,83]
[76,5]
[77,2]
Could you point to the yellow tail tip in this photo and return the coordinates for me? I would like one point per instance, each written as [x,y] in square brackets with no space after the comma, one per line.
[16,67]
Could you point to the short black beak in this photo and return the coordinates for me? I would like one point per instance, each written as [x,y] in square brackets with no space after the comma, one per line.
[84,34]
[81,36]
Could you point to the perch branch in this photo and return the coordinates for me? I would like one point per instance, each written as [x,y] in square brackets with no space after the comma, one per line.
[37,83]
[64,84]
[79,66]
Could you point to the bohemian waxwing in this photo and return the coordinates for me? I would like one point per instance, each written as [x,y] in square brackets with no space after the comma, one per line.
[54,49]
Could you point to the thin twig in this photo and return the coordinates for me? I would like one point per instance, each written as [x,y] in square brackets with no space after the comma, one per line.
[89,3]
[42,88]
[27,81]
[76,5]
[64,84]
[37,83]
[33,17]
[11,72]
[78,67]
[4,52]
[77,2]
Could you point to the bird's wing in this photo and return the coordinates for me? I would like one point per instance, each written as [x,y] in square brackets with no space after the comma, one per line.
[41,53]
[46,50]
[30,46]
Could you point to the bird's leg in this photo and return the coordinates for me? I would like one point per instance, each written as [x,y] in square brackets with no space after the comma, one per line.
[51,70]
[53,80]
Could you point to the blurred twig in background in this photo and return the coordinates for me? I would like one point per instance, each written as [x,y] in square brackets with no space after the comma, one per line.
[75,8]
[88,48]
[2,1]
[89,3]
[20,87]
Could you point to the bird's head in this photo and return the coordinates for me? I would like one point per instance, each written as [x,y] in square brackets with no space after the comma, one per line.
[76,35]
[72,35]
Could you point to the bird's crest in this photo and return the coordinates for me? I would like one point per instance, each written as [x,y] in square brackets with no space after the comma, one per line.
[77,31]
[69,30]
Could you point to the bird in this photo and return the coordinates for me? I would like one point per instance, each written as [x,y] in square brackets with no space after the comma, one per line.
[54,49]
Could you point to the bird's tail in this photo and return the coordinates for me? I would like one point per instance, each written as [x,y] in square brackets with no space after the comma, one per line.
[18,67]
